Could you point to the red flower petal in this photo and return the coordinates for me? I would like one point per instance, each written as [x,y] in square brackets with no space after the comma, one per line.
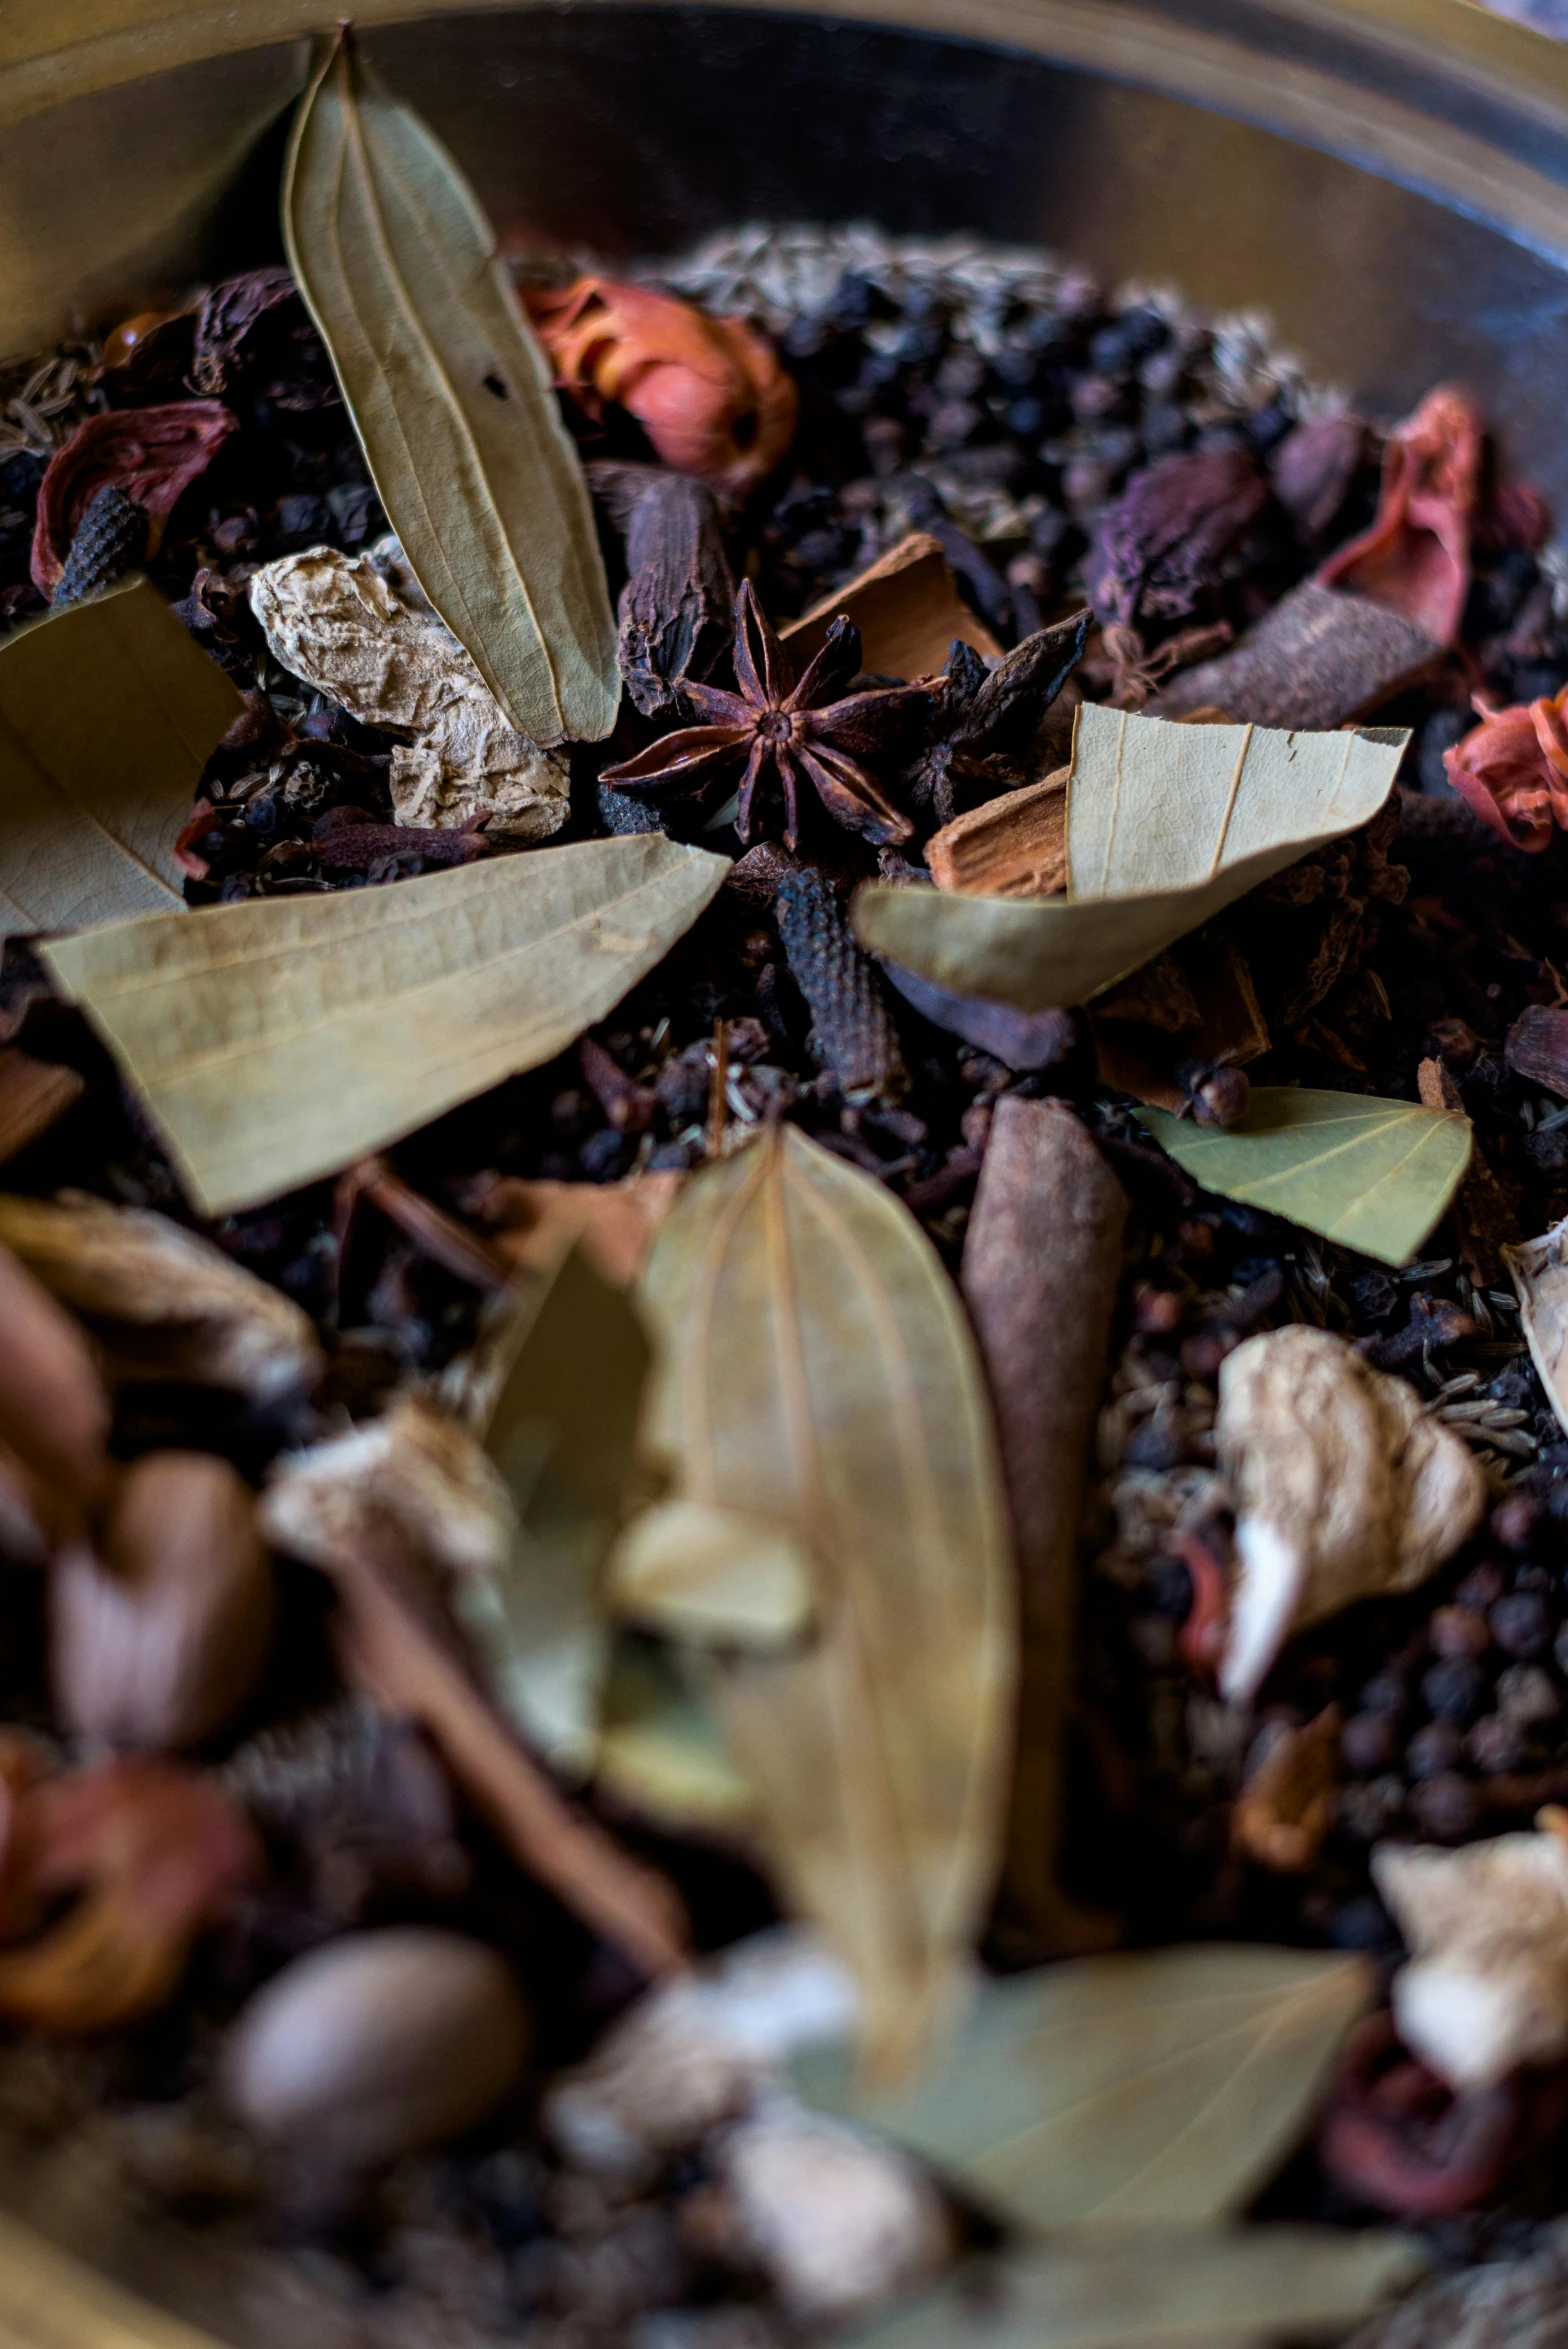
[153,454]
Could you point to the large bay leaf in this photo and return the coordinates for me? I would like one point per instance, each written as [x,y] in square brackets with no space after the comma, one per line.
[815,1369]
[1203,2291]
[277,1040]
[1154,2088]
[1167,824]
[108,712]
[1371,1174]
[451,397]
[563,1432]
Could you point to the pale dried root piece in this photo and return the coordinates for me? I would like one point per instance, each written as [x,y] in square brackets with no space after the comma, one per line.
[1042,1259]
[387,1512]
[336,621]
[1286,1806]
[158,1638]
[1344,1489]
[1486,1989]
[166,1302]
[376,2045]
[150,1853]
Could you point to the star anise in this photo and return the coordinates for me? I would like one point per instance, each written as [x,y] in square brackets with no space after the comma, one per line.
[988,718]
[774,725]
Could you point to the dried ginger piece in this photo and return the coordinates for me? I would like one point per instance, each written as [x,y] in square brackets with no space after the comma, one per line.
[1344,1488]
[337,622]
[1486,1988]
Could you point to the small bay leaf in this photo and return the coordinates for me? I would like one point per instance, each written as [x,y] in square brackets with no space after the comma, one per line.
[277,1040]
[1371,1174]
[563,1433]
[1155,2088]
[814,1367]
[660,1746]
[1167,824]
[451,396]
[1236,2290]
[108,712]
[704,1573]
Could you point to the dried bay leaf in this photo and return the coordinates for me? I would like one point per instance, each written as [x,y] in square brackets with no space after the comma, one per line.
[1146,2089]
[814,1368]
[452,399]
[660,1747]
[108,712]
[1206,2291]
[1371,1174]
[703,1573]
[1166,825]
[278,1040]
[335,621]
[1539,1270]
[562,1430]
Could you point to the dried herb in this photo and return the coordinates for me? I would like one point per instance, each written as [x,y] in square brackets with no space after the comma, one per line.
[1374,1175]
[1166,826]
[107,716]
[785,730]
[1042,1259]
[1156,2089]
[814,1368]
[451,398]
[151,454]
[907,609]
[1157,550]
[1344,1490]
[511,958]
[987,720]
[709,392]
[675,609]
[1220,2291]
[335,621]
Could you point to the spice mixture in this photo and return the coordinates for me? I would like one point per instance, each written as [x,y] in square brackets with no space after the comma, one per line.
[356,1992]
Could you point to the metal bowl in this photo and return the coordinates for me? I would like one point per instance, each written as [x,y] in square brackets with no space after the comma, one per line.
[1389,180]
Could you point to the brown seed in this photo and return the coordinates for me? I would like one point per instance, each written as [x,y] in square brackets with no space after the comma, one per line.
[157,1641]
[375,2045]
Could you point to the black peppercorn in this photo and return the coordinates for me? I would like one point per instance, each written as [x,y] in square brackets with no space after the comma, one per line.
[1521,1625]
[1437,1748]
[1496,1744]
[1447,1808]
[1459,1631]
[1368,1743]
[1455,1690]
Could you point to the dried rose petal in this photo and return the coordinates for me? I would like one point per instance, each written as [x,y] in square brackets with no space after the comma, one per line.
[153,454]
[709,392]
[226,317]
[153,1853]
[1513,769]
[1415,558]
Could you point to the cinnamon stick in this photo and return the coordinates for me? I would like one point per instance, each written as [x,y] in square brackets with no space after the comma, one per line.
[908,611]
[1013,846]
[1041,1264]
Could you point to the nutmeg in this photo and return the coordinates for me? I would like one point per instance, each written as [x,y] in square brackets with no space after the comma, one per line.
[374,2045]
[156,1641]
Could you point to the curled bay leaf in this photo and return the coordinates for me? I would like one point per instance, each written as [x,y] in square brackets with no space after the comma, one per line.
[278,1040]
[108,712]
[451,396]
[1166,825]
[1228,2290]
[1149,2089]
[814,1368]
[1371,1174]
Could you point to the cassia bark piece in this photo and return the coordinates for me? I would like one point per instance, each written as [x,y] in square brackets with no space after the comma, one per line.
[34,1095]
[452,400]
[280,1040]
[1014,846]
[907,609]
[1042,1259]
[814,1368]
[1319,658]
[108,713]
